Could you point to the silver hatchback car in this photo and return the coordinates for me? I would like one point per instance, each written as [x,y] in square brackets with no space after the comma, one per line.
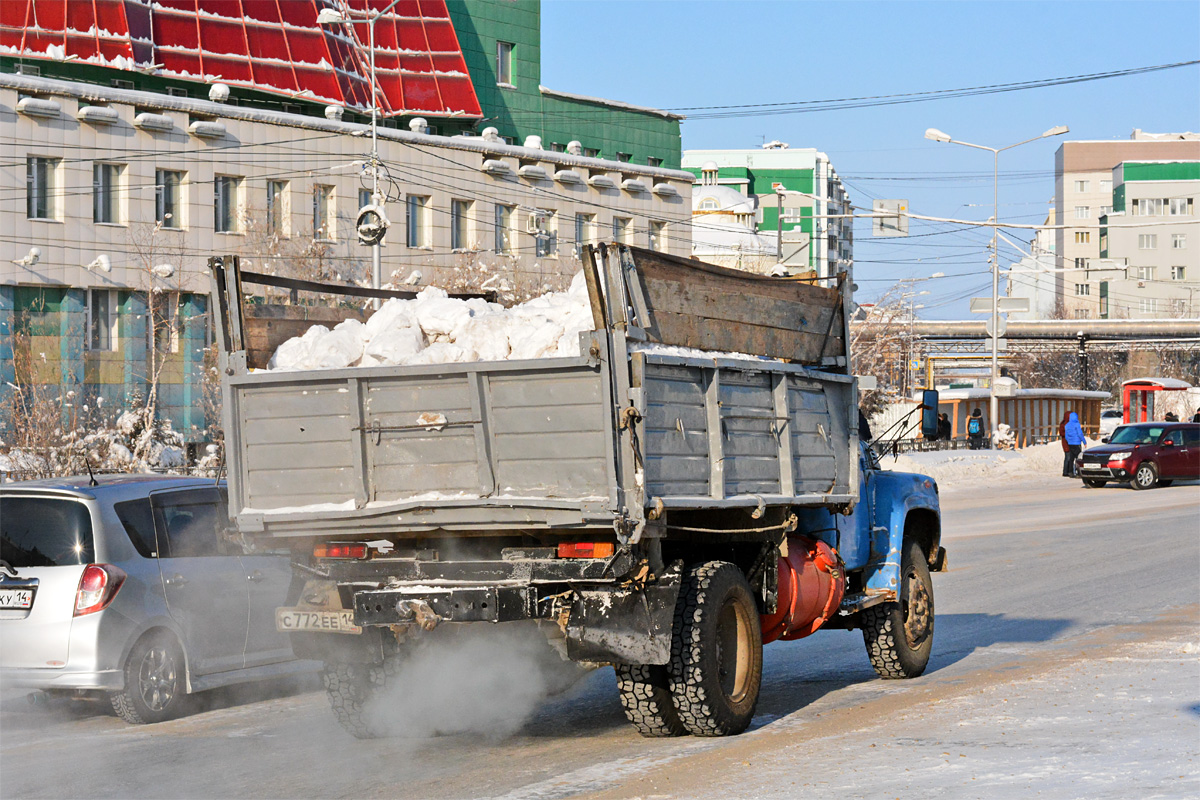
[127,586]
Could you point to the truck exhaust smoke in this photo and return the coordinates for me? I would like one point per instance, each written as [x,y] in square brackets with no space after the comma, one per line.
[486,680]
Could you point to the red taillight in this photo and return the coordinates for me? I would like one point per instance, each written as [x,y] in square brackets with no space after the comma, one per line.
[336,550]
[98,585]
[585,549]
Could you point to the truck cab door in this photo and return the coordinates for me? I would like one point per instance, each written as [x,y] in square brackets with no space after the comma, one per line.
[854,540]
[205,585]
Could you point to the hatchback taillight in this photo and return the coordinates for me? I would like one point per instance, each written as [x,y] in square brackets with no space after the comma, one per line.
[98,585]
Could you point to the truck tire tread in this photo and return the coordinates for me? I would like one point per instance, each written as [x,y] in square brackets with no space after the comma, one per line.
[698,697]
[352,690]
[891,653]
[646,699]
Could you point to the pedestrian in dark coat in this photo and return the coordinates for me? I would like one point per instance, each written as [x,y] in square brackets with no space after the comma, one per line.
[1073,440]
[945,432]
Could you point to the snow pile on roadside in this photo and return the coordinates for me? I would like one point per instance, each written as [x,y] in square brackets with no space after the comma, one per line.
[950,467]
[133,442]
[434,328]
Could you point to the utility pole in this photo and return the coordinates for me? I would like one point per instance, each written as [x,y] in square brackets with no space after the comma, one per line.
[1083,361]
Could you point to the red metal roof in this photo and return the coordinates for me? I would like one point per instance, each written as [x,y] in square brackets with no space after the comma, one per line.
[272,45]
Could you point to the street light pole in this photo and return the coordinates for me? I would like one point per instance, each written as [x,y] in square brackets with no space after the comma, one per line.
[939,136]
[330,17]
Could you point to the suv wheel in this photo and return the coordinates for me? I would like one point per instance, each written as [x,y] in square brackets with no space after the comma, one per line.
[1145,476]
[154,681]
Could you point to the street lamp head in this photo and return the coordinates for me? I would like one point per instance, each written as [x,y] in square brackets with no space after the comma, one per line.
[936,135]
[1057,130]
[328,16]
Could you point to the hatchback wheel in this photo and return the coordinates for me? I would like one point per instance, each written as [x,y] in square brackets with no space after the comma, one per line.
[154,681]
[1145,477]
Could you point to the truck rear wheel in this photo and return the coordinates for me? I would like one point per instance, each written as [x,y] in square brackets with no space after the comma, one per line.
[353,690]
[646,699]
[715,670]
[899,635]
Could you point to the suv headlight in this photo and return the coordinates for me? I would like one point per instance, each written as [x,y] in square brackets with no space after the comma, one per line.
[1121,456]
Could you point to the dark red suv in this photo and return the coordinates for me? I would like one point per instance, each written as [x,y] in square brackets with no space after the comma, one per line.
[1146,454]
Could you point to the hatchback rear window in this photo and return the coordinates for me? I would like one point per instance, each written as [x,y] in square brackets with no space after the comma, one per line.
[45,532]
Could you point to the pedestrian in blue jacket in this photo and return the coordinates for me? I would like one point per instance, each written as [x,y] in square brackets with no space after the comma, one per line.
[1074,438]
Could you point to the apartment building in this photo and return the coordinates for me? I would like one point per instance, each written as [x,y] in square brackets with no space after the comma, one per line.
[118,180]
[1083,193]
[798,183]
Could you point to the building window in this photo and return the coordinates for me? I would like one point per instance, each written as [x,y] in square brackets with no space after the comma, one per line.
[226,189]
[1177,273]
[504,51]
[322,209]
[1083,289]
[1082,313]
[106,186]
[1143,273]
[1148,207]
[658,235]
[620,229]
[585,232]
[165,329]
[1147,241]
[653,161]
[167,208]
[1149,305]
[558,147]
[364,198]
[1180,207]
[1083,237]
[546,225]
[1178,241]
[416,219]
[624,157]
[1106,184]
[102,319]
[504,229]
[1105,210]
[1083,186]
[591,152]
[1104,299]
[277,212]
[1082,212]
[460,225]
[1081,263]
[39,187]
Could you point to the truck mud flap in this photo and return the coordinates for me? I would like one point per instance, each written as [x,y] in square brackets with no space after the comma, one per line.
[624,625]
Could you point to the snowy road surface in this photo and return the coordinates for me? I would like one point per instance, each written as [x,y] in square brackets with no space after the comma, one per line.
[1066,664]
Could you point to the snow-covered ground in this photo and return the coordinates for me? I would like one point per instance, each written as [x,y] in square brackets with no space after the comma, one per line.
[958,467]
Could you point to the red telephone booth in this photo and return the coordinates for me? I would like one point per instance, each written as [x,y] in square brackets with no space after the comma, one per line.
[1138,395]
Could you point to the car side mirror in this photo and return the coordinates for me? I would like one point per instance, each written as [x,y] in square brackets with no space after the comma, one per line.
[1104,439]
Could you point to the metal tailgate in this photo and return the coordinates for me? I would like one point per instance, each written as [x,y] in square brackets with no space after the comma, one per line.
[349,445]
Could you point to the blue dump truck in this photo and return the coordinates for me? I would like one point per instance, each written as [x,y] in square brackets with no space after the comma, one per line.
[661,502]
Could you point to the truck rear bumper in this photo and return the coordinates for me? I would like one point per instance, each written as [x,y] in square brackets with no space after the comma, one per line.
[626,624]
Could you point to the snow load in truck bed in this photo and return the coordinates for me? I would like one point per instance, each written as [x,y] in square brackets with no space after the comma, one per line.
[434,328]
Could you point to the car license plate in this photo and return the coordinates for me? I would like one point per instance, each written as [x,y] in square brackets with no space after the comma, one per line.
[304,620]
[1093,466]
[20,599]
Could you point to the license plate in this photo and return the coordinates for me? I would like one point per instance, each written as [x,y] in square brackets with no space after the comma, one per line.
[303,620]
[1093,466]
[16,598]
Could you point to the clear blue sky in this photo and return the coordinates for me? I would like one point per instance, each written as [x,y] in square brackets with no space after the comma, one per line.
[678,54]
